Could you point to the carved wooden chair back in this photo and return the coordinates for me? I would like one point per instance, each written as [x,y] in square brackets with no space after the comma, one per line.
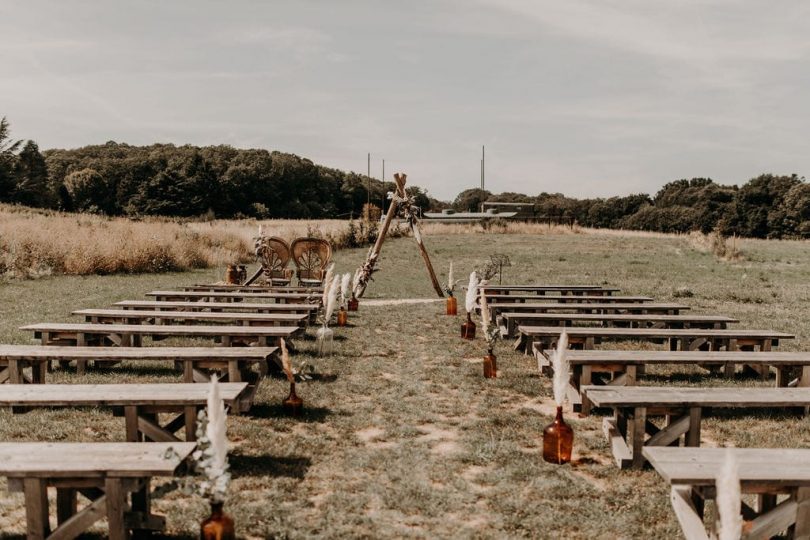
[311,257]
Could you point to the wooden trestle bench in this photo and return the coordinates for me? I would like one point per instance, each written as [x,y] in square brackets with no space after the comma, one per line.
[765,472]
[130,335]
[565,298]
[685,339]
[496,308]
[139,404]
[216,307]
[593,290]
[279,297]
[621,368]
[107,474]
[509,321]
[129,316]
[251,288]
[630,430]
[234,363]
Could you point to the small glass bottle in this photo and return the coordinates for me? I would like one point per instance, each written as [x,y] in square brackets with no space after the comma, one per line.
[342,317]
[558,440]
[452,305]
[218,526]
[490,365]
[468,328]
[232,275]
[293,404]
[353,303]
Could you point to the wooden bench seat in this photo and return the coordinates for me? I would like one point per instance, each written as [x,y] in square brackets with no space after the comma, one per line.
[233,363]
[545,289]
[510,320]
[129,316]
[630,429]
[621,368]
[765,472]
[140,403]
[107,474]
[250,288]
[129,335]
[496,308]
[685,339]
[565,298]
[278,297]
[220,307]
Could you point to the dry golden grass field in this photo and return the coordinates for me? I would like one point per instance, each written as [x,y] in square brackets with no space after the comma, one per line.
[402,436]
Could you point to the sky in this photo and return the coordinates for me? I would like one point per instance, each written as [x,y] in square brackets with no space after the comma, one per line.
[583,97]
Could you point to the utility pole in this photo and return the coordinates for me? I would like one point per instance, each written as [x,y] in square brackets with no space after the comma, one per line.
[483,157]
[368,182]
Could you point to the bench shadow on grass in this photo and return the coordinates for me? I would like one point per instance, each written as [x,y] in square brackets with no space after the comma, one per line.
[310,415]
[102,536]
[266,465]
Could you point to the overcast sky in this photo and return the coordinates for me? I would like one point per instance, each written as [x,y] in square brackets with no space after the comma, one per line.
[584,97]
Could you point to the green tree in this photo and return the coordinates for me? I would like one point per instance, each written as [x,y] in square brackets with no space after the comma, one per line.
[470,200]
[8,161]
[87,191]
[31,174]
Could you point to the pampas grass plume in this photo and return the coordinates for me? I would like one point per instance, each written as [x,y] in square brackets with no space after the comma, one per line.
[215,431]
[472,292]
[285,361]
[561,369]
[484,314]
[728,498]
[331,299]
[450,276]
[327,282]
[344,287]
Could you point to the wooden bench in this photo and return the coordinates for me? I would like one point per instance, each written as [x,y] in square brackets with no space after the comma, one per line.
[224,307]
[496,308]
[622,367]
[278,297]
[130,335]
[233,363]
[510,320]
[129,316]
[140,404]
[765,472]
[105,473]
[630,429]
[593,290]
[685,339]
[250,288]
[565,298]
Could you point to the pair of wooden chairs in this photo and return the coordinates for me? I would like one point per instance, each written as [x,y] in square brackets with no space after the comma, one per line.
[311,256]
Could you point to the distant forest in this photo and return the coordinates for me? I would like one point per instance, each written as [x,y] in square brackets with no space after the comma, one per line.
[224,182]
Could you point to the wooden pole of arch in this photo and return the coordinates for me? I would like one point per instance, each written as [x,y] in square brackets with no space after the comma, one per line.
[375,251]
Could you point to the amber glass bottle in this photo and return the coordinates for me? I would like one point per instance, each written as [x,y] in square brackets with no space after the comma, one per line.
[452,305]
[468,328]
[218,526]
[558,440]
[293,404]
[354,303]
[490,365]
[232,275]
[342,317]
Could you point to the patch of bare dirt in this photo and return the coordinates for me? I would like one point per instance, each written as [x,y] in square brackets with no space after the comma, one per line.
[401,301]
[442,441]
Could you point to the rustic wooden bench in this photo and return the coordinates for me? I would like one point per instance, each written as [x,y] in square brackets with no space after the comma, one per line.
[621,368]
[139,403]
[224,307]
[630,429]
[765,472]
[233,363]
[278,297]
[105,473]
[593,290]
[130,335]
[509,321]
[129,316]
[250,288]
[565,298]
[496,308]
[685,339]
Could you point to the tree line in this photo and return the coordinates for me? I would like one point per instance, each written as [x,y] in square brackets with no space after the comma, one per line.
[225,182]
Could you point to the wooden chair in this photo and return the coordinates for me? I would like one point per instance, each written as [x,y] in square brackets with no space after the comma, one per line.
[311,257]
[274,255]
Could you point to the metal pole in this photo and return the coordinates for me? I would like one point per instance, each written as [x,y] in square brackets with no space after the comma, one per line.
[483,158]
[368,182]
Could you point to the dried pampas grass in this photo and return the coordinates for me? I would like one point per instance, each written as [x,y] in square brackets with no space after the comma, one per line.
[559,361]
[472,292]
[327,282]
[729,504]
[344,288]
[215,431]
[285,361]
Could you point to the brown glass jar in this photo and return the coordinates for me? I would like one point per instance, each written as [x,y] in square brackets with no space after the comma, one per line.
[452,305]
[342,317]
[490,366]
[218,526]
[468,328]
[558,440]
[354,303]
[293,405]
[232,275]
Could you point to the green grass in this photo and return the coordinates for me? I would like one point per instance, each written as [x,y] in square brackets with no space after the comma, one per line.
[403,437]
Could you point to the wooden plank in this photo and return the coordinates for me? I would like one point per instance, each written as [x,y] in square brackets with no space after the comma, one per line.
[604,356]
[116,506]
[90,460]
[685,397]
[40,352]
[773,522]
[216,306]
[660,333]
[691,523]
[540,307]
[165,330]
[621,452]
[102,315]
[81,521]
[36,508]
[670,433]
[564,298]
[315,296]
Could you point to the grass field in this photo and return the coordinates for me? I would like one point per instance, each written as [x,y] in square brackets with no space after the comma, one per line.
[403,437]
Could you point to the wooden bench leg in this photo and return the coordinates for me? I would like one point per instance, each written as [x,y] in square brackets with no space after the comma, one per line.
[66,504]
[693,435]
[801,529]
[636,431]
[36,508]
[116,507]
[585,379]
